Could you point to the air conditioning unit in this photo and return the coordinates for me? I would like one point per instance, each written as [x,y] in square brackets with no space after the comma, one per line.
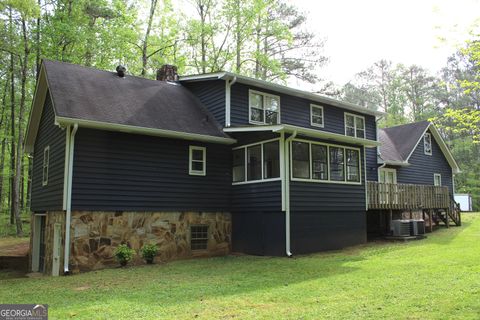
[401,228]
[417,227]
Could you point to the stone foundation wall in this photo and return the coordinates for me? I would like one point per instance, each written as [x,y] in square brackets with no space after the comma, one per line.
[95,235]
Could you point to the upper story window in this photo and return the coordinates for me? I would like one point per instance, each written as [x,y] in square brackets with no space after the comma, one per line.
[316,116]
[197,161]
[427,144]
[256,162]
[264,108]
[354,126]
[46,161]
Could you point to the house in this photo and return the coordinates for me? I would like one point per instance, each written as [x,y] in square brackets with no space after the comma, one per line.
[414,159]
[200,165]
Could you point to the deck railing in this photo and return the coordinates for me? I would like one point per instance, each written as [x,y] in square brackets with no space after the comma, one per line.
[406,196]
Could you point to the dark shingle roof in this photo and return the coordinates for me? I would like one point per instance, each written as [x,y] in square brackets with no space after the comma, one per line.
[90,94]
[398,142]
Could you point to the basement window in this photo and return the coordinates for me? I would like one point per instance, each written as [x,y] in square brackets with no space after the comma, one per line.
[199,237]
[197,161]
[46,162]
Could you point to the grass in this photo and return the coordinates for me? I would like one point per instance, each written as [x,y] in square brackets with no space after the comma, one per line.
[436,278]
[7,229]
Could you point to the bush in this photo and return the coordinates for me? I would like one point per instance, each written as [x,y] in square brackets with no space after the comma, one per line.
[123,254]
[149,251]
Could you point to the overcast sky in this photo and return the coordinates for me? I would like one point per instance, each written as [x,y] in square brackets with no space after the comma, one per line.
[360,32]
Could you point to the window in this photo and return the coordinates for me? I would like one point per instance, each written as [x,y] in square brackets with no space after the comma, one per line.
[387,175]
[256,162]
[199,237]
[197,161]
[46,161]
[319,162]
[300,160]
[427,144]
[354,125]
[264,108]
[437,179]
[316,116]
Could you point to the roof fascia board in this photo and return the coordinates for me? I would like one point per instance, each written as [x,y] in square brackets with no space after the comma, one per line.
[308,132]
[283,89]
[142,130]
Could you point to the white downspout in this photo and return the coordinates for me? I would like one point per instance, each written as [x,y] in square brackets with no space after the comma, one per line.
[287,193]
[68,217]
[228,100]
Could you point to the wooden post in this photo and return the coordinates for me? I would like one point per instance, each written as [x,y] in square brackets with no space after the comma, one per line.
[447,217]
[430,220]
[389,225]
[411,214]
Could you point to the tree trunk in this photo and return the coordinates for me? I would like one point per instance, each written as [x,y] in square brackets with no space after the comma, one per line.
[203,38]
[12,123]
[153,6]
[238,37]
[3,125]
[37,39]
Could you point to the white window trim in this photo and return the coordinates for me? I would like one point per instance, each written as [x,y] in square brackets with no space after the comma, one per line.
[427,134]
[192,172]
[264,95]
[245,165]
[313,124]
[388,170]
[355,116]
[435,175]
[46,150]
[328,162]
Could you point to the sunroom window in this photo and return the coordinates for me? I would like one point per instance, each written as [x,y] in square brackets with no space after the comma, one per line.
[256,162]
[337,164]
[300,160]
[264,108]
[319,162]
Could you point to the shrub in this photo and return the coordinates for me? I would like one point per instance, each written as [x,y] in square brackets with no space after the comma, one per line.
[123,254]
[149,251]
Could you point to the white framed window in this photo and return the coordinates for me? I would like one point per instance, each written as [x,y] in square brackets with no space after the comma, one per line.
[263,108]
[321,162]
[256,162]
[427,144]
[437,179]
[354,125]
[197,161]
[387,175]
[316,115]
[46,162]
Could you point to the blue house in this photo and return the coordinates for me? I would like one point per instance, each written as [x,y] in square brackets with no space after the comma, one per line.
[199,165]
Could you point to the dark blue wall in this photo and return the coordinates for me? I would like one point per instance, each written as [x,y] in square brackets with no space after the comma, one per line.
[212,95]
[120,171]
[422,167]
[49,197]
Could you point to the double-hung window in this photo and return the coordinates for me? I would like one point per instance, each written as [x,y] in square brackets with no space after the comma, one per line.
[197,161]
[354,126]
[264,108]
[427,144]
[256,162]
[46,162]
[316,116]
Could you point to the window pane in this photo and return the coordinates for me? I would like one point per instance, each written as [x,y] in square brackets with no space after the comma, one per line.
[256,114]
[238,173]
[349,121]
[360,133]
[254,167]
[271,160]
[300,160]
[319,162]
[272,103]
[353,169]
[336,164]
[351,132]
[256,101]
[271,117]
[197,155]
[197,165]
[360,123]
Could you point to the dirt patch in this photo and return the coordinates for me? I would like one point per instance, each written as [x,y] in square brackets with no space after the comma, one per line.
[19,249]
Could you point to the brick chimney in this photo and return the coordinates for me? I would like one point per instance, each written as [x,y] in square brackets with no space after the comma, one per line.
[167,73]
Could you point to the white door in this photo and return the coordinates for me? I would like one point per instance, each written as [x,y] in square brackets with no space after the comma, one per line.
[388,176]
[57,245]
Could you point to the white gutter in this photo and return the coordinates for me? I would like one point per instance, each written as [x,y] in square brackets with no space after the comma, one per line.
[66,166]
[228,100]
[68,216]
[287,193]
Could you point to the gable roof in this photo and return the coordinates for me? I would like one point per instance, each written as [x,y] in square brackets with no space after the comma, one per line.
[102,99]
[398,143]
[281,89]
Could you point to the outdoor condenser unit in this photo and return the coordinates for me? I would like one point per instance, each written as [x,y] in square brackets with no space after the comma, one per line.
[401,228]
[417,227]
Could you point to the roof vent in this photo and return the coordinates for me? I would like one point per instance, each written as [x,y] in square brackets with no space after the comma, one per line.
[167,73]
[121,71]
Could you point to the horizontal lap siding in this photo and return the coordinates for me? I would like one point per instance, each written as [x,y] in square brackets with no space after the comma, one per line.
[49,197]
[119,171]
[424,166]
[212,95]
[265,196]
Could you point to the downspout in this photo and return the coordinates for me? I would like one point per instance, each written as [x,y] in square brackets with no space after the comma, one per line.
[228,85]
[68,217]
[287,193]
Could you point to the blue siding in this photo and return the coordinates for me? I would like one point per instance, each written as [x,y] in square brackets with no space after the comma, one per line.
[49,197]
[212,95]
[422,167]
[263,196]
[120,171]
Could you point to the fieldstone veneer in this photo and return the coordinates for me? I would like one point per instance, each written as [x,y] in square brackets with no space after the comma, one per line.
[95,235]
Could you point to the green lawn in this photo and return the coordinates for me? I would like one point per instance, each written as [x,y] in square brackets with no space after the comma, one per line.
[436,278]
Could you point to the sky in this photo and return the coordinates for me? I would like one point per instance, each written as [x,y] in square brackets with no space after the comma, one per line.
[359,33]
